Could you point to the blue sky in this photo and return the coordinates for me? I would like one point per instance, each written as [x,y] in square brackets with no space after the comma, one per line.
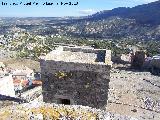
[84,7]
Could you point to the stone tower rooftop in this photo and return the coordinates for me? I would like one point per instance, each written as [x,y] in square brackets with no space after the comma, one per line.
[79,55]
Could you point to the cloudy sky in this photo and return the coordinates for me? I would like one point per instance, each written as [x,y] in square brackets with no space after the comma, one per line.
[84,7]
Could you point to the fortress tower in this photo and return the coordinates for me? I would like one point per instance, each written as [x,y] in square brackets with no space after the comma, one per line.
[76,75]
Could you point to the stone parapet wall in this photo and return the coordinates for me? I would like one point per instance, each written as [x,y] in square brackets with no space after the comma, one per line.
[103,55]
[108,57]
[81,49]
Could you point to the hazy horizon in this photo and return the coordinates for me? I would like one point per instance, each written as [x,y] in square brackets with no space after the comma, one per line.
[83,8]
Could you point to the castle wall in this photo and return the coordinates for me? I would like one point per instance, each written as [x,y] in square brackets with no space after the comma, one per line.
[81,83]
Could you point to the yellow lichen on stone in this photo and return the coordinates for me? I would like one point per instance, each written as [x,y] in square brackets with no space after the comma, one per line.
[61,74]
[4,115]
[54,114]
[45,112]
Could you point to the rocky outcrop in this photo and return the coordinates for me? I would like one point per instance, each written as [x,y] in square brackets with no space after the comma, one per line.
[41,111]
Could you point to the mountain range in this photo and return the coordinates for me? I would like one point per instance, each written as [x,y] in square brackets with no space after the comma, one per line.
[139,23]
[143,14]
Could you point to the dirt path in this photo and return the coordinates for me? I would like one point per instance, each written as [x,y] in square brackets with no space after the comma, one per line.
[135,94]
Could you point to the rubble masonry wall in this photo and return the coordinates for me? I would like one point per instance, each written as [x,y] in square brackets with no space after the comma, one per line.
[81,83]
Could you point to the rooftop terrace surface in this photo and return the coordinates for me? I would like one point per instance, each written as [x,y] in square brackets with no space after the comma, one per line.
[68,56]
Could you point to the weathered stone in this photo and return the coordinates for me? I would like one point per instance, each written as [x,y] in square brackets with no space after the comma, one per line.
[80,83]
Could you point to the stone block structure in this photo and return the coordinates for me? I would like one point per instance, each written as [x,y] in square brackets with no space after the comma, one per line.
[77,76]
[138,59]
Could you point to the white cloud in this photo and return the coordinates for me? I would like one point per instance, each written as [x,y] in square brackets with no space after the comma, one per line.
[150,0]
[87,11]
[137,1]
[147,1]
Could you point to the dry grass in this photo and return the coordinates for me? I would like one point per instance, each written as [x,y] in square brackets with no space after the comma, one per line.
[19,63]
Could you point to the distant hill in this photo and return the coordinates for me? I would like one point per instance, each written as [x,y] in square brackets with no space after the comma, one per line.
[144,14]
[141,22]
[113,28]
